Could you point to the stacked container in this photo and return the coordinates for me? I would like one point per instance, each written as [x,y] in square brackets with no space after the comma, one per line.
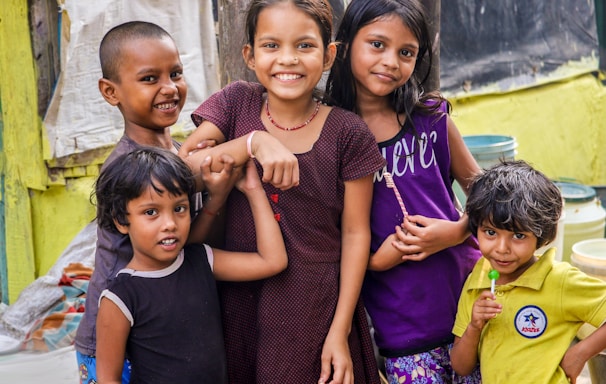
[584,219]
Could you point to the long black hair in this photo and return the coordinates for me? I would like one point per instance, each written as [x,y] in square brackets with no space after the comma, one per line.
[341,86]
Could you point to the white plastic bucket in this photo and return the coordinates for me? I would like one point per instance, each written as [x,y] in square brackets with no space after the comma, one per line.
[585,216]
[558,242]
[590,257]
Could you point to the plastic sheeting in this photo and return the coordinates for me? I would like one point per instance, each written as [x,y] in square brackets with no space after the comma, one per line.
[35,301]
[57,367]
[78,118]
[514,43]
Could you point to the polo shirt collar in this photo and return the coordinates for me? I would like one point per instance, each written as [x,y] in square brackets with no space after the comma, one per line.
[532,278]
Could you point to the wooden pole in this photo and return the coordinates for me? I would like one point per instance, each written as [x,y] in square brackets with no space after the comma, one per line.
[231,21]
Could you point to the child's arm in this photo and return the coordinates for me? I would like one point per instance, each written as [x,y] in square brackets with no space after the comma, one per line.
[280,166]
[218,185]
[355,242]
[462,164]
[464,353]
[576,356]
[112,332]
[387,256]
[423,236]
[412,242]
[271,258]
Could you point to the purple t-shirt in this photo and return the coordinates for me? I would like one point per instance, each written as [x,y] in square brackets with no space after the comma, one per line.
[413,305]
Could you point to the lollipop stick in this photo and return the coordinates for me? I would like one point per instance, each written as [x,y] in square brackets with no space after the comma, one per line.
[493,275]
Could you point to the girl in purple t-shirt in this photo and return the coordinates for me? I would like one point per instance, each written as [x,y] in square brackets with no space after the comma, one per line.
[421,247]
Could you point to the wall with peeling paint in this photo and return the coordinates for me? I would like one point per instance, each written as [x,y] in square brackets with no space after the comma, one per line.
[23,167]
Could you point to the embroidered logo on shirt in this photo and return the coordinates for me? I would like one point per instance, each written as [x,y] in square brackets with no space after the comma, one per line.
[530,321]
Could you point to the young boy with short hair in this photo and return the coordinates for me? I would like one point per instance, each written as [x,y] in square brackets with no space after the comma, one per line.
[143,78]
[522,332]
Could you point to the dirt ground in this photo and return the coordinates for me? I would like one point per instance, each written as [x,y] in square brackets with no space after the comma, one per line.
[59,367]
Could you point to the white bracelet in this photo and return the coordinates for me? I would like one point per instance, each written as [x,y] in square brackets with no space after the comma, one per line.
[249,144]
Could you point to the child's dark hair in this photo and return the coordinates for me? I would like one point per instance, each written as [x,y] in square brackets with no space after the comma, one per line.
[319,10]
[110,49]
[130,174]
[514,196]
[341,85]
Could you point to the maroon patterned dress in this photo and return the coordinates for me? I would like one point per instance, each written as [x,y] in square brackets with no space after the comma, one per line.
[275,328]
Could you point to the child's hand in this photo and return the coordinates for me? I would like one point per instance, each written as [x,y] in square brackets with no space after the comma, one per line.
[219,184]
[280,165]
[423,236]
[484,309]
[403,244]
[250,180]
[572,364]
[201,145]
[336,359]
[187,150]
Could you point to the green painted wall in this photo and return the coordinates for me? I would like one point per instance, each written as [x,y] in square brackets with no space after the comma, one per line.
[3,271]
[560,127]
[58,214]
[23,168]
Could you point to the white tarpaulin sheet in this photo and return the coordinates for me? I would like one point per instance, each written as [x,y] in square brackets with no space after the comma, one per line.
[78,119]
[56,367]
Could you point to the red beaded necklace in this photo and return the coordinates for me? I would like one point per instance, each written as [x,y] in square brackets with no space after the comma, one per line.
[271,119]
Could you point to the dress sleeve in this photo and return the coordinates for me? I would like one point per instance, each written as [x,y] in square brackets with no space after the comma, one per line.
[231,108]
[360,154]
[216,109]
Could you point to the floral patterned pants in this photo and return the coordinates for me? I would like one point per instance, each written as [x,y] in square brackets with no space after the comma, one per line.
[431,367]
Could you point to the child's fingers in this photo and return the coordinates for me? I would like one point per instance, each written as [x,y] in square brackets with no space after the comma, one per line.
[201,145]
[486,305]
[281,175]
[325,371]
[205,167]
[206,144]
[228,162]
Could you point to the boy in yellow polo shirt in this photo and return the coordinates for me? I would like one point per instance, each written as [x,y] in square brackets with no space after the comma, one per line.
[522,332]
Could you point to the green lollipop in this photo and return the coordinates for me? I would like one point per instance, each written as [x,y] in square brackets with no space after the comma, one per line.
[493,275]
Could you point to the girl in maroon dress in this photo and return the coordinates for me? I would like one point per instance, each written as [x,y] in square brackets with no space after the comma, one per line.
[306,324]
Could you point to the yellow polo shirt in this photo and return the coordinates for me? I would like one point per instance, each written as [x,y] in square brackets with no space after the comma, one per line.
[542,312]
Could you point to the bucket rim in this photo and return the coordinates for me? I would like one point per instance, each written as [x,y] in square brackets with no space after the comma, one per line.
[574,192]
[483,144]
[579,244]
